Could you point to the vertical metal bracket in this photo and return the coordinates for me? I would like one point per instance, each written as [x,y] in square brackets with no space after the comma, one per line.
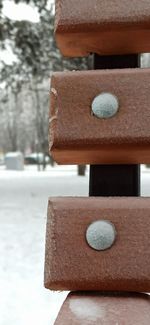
[115,180]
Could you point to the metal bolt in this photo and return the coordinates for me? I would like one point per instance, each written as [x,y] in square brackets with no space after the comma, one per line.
[105,105]
[101,235]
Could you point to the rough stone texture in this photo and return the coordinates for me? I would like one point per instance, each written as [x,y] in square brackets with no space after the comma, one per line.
[103,27]
[78,137]
[70,263]
[105,309]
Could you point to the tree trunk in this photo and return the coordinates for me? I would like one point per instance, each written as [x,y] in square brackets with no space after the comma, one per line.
[81,170]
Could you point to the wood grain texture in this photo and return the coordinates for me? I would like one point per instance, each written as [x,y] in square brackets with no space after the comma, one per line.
[70,263]
[78,137]
[105,309]
[103,27]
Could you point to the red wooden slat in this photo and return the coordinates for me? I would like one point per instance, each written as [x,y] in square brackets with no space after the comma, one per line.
[103,27]
[71,264]
[105,309]
[78,137]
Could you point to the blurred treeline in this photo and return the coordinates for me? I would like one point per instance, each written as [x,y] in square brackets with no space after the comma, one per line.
[25,84]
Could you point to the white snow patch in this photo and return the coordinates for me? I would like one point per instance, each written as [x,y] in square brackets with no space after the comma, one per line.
[86,308]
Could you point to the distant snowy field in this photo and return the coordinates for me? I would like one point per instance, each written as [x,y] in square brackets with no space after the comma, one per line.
[23,209]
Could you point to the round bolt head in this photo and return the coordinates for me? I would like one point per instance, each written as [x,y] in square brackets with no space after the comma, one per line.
[105,105]
[101,235]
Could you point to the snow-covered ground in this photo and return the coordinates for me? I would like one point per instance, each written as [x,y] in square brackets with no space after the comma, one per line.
[23,205]
[23,208]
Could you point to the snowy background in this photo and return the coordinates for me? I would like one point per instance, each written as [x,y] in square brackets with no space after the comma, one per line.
[23,200]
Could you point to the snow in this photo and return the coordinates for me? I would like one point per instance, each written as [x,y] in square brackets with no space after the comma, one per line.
[88,309]
[13,154]
[23,200]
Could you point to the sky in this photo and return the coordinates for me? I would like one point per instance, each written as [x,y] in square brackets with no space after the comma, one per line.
[20,11]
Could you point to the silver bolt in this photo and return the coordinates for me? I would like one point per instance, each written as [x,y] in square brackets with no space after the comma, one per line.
[105,105]
[101,235]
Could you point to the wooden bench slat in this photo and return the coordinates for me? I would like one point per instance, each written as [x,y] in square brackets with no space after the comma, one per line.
[78,137]
[107,309]
[103,27]
[71,264]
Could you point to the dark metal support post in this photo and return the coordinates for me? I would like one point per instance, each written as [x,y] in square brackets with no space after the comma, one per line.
[115,180]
